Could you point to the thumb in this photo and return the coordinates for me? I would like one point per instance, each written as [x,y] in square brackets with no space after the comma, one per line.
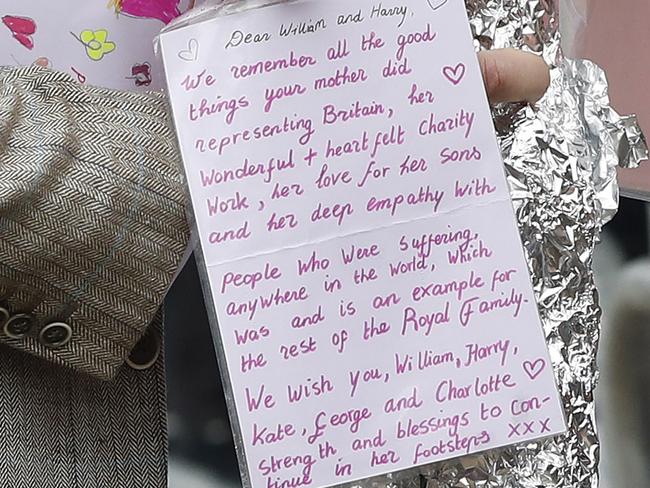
[511,75]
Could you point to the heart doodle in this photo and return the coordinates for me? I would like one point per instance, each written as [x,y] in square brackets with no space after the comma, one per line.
[455,74]
[191,53]
[534,368]
[436,4]
[22,28]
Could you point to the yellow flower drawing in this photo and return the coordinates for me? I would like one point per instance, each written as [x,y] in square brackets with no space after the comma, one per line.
[97,43]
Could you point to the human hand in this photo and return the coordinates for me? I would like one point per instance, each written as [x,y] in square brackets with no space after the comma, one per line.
[511,75]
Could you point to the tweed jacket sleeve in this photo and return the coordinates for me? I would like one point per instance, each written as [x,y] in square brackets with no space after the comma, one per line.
[92,217]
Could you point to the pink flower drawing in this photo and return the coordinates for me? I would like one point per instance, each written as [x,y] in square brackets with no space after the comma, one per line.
[163,10]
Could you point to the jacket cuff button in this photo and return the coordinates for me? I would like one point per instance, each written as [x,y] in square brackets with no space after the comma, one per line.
[55,335]
[146,352]
[4,316]
[18,326]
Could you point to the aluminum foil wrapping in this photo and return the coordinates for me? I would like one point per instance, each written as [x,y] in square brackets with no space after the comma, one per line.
[561,157]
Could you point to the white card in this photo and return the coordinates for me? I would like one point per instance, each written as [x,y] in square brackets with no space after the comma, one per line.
[374,306]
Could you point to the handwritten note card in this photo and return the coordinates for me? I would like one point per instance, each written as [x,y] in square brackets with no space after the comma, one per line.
[374,305]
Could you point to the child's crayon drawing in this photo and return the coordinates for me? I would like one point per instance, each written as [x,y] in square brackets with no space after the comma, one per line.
[43,61]
[141,74]
[96,43]
[106,43]
[163,10]
[22,28]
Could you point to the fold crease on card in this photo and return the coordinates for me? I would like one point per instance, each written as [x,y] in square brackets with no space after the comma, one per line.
[372,306]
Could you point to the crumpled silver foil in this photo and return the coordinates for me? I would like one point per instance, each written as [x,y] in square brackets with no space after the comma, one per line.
[561,157]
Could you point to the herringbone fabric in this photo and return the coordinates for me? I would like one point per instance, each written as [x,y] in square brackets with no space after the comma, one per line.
[62,429]
[92,213]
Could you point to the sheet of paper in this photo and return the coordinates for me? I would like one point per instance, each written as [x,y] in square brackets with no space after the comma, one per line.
[105,43]
[373,300]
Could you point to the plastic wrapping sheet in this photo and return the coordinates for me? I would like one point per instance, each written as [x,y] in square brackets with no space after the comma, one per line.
[561,157]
